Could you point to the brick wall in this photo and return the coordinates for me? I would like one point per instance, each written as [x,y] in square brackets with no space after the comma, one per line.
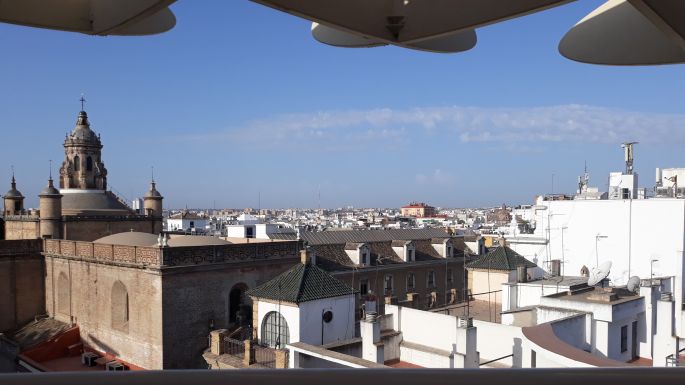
[22,289]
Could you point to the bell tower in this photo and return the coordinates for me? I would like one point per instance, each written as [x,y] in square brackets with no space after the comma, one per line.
[82,167]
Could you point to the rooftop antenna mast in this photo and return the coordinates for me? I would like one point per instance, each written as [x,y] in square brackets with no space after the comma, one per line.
[629,156]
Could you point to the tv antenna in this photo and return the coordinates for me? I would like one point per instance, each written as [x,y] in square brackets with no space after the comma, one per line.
[629,156]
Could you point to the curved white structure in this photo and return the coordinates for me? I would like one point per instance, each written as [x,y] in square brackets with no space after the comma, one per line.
[454,42]
[634,32]
[338,38]
[92,17]
[435,25]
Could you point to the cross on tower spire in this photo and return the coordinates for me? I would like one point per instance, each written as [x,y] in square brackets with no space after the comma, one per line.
[83,101]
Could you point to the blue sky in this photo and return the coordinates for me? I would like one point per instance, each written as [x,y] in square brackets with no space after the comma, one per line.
[238,99]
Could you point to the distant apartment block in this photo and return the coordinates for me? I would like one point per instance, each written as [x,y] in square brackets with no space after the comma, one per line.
[418,210]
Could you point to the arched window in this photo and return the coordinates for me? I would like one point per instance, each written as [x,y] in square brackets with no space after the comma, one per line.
[239,311]
[275,330]
[63,294]
[119,307]
[89,164]
[77,163]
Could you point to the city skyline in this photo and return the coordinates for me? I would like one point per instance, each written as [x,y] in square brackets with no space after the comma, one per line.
[220,122]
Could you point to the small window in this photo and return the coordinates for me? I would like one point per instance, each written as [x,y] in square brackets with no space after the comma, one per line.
[77,163]
[624,339]
[365,258]
[388,284]
[410,255]
[450,277]
[89,164]
[364,287]
[192,224]
[430,281]
[449,251]
[411,282]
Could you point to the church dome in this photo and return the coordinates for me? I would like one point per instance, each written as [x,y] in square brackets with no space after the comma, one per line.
[82,131]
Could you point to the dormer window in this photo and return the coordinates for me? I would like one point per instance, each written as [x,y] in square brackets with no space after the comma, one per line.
[405,250]
[359,253]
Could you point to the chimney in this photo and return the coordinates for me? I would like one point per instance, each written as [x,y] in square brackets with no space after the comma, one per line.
[556,267]
[307,257]
[370,332]
[521,273]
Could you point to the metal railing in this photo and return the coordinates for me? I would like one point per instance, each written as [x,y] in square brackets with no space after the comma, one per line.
[265,356]
[234,347]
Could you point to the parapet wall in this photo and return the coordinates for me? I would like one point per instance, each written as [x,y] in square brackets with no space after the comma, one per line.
[170,256]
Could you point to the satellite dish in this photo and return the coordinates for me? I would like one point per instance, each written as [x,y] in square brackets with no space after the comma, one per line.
[598,274]
[633,284]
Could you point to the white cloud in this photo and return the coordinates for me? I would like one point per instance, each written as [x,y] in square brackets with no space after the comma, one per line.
[438,177]
[330,130]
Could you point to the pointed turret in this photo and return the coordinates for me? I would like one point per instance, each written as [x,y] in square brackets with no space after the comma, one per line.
[50,211]
[14,200]
[153,201]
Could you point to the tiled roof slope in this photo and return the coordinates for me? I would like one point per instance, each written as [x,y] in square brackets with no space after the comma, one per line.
[501,258]
[364,236]
[302,283]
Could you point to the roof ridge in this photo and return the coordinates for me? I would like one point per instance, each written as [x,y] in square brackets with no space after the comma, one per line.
[303,278]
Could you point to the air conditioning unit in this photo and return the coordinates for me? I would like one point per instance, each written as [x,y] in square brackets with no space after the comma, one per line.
[88,359]
[115,366]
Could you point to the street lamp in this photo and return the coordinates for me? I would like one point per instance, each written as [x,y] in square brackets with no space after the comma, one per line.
[597,238]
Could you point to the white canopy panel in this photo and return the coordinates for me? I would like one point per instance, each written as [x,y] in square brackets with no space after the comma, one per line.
[93,17]
[623,32]
[435,25]
[454,42]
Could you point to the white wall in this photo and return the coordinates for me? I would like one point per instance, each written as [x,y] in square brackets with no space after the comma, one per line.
[291,313]
[497,340]
[184,224]
[656,228]
[425,328]
[439,337]
[341,326]
[658,231]
[517,295]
